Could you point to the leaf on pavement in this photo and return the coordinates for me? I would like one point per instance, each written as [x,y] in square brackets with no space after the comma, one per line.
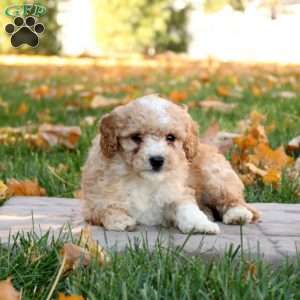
[24,188]
[7,291]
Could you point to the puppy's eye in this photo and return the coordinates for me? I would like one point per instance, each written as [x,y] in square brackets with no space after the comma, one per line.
[137,138]
[171,138]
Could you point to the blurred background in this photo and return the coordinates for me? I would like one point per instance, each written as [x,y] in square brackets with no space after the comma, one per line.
[229,30]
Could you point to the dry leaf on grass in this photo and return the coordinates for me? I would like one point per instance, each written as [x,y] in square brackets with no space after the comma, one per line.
[75,255]
[100,101]
[178,96]
[285,95]
[24,188]
[217,105]
[253,157]
[7,291]
[3,190]
[22,109]
[67,136]
[62,296]
[223,91]
[88,121]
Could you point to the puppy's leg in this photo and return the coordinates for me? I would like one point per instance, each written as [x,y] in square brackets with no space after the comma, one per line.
[220,187]
[188,217]
[113,218]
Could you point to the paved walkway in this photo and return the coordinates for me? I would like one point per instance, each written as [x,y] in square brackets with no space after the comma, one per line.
[277,236]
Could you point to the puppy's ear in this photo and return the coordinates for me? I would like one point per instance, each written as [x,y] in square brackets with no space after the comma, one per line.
[190,144]
[108,140]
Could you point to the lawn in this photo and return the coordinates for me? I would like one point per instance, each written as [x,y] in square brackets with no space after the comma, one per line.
[62,94]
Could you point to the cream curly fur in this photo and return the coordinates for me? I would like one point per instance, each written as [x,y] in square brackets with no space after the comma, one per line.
[121,188]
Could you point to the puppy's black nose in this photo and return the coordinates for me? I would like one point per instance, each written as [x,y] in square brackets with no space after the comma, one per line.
[156,162]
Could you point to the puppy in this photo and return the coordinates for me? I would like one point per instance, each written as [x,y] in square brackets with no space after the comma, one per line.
[147,166]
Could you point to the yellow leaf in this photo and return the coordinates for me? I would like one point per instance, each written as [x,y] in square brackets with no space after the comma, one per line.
[22,109]
[3,190]
[62,296]
[24,188]
[272,177]
[256,91]
[223,91]
[7,291]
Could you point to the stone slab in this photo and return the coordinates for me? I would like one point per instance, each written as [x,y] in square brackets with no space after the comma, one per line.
[277,236]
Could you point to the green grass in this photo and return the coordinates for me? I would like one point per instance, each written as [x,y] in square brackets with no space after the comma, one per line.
[138,273]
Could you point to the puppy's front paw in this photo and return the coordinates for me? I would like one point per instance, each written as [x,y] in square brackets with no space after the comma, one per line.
[120,223]
[237,215]
[191,218]
[207,227]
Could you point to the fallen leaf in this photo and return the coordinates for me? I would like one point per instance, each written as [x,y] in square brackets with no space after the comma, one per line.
[100,101]
[178,96]
[88,248]
[62,296]
[217,105]
[3,105]
[92,246]
[3,190]
[39,92]
[285,95]
[256,91]
[272,177]
[24,188]
[255,170]
[223,91]
[74,256]
[22,109]
[88,121]
[7,291]
[60,135]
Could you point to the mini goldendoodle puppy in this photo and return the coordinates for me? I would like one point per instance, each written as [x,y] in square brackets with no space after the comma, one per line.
[147,166]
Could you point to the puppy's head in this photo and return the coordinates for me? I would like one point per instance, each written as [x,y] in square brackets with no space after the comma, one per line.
[152,135]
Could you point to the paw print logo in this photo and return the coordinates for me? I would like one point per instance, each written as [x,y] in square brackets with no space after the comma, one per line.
[25,31]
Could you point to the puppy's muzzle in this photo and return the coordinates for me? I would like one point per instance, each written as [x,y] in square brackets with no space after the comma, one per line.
[156,162]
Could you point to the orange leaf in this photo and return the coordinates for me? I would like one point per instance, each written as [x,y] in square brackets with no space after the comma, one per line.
[272,177]
[7,291]
[62,296]
[25,188]
[40,92]
[22,109]
[3,190]
[178,96]
[223,91]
